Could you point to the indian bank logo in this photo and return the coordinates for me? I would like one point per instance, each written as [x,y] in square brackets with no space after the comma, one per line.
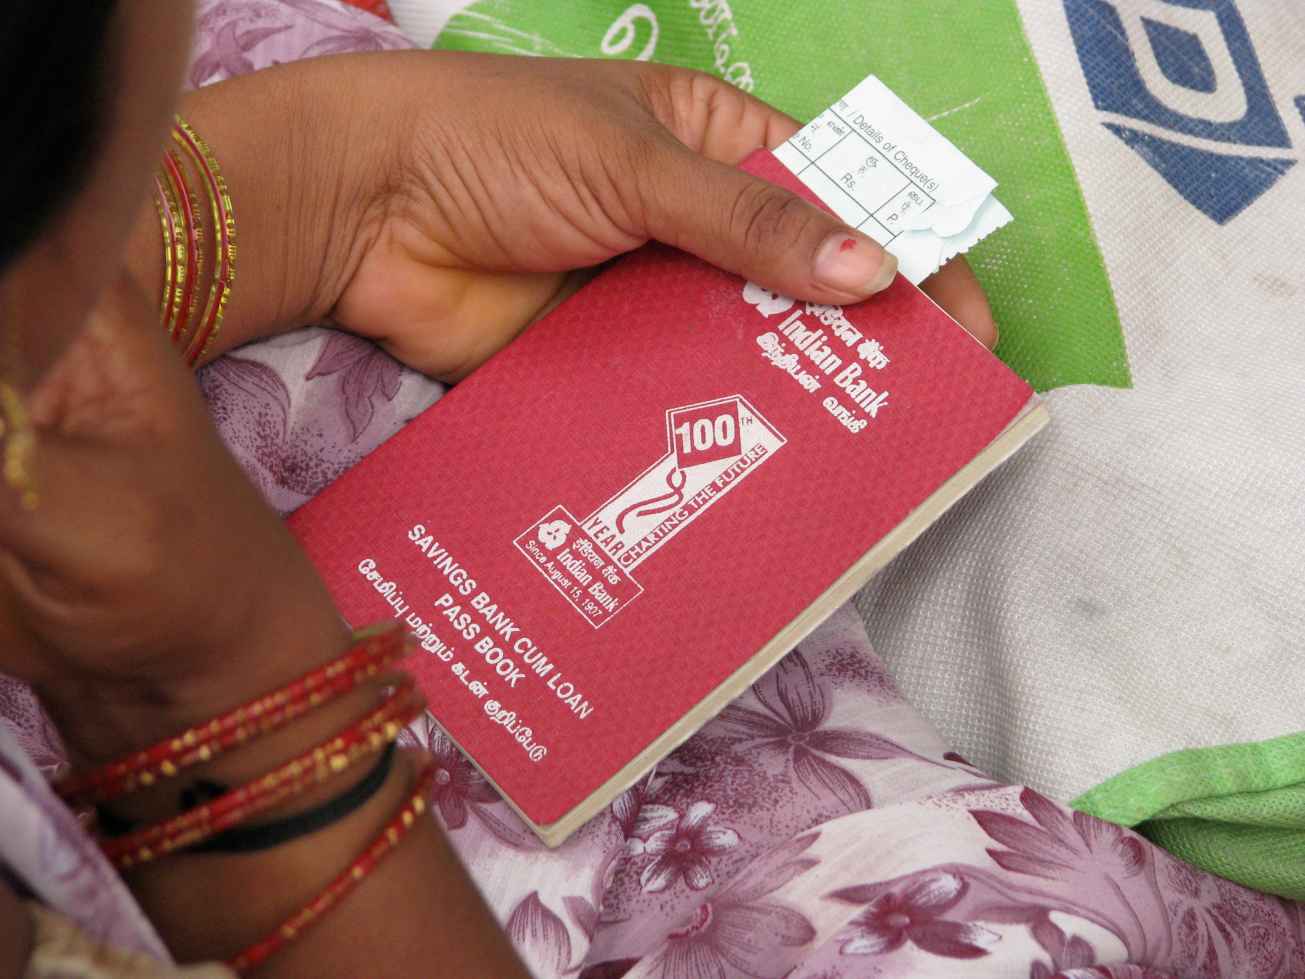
[1180,83]
[768,303]
[554,533]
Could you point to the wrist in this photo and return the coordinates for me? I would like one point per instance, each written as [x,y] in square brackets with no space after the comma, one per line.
[302,160]
[330,707]
[271,777]
[259,889]
[101,718]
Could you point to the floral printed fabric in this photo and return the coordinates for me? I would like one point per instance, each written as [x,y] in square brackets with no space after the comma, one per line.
[817,829]
[45,852]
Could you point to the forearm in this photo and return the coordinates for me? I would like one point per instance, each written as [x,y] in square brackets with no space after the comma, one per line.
[417,907]
[302,162]
[416,914]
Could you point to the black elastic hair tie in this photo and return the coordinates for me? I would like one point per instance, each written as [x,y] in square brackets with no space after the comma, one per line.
[250,839]
[247,839]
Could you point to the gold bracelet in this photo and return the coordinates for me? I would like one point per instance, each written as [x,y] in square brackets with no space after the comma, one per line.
[188,259]
[167,220]
[183,262]
[19,438]
[224,239]
[197,241]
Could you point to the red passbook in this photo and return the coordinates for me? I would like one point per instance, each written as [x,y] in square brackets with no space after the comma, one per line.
[618,523]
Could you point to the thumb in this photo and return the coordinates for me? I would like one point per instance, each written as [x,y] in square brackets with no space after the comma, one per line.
[750,227]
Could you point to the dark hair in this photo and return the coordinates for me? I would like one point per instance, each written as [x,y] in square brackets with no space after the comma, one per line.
[53,83]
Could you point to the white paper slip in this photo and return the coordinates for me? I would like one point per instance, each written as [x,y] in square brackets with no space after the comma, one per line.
[885,171]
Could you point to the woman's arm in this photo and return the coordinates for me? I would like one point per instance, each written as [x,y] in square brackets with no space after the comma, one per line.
[152,589]
[418,913]
[433,201]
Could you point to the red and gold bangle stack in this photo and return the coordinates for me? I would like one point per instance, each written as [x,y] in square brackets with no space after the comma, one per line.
[368,737]
[191,328]
[368,661]
[374,650]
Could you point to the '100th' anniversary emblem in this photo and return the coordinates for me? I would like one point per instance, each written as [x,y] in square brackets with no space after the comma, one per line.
[712,447]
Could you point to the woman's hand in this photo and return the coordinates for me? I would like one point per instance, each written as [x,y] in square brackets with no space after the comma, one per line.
[151,587]
[507,172]
[435,202]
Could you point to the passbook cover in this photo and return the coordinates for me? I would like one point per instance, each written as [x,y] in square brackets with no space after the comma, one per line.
[607,532]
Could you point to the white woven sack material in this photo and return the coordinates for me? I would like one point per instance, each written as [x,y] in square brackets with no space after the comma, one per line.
[1132,583]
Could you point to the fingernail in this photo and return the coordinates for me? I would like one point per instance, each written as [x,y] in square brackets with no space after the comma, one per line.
[852,263]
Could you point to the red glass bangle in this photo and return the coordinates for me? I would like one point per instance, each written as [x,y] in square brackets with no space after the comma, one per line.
[381,846]
[177,328]
[224,238]
[171,266]
[373,651]
[401,706]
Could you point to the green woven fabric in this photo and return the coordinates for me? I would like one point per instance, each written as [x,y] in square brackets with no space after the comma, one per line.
[1237,811]
[966,66]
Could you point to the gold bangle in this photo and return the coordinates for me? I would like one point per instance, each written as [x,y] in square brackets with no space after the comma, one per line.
[197,226]
[188,259]
[166,218]
[224,239]
[19,444]
[182,261]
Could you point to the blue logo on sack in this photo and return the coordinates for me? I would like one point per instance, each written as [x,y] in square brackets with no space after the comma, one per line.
[1188,69]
